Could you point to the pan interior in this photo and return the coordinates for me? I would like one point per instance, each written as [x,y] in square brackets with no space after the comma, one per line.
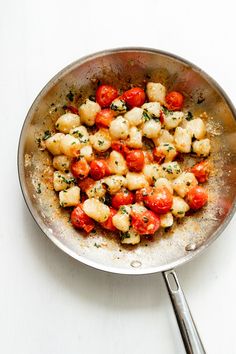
[121,68]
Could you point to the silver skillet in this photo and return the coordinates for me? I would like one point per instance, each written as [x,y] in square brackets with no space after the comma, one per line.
[187,239]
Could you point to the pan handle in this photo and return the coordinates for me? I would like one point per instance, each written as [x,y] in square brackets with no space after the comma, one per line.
[188,330]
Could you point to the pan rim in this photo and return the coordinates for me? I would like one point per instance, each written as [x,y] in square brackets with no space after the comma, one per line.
[82,259]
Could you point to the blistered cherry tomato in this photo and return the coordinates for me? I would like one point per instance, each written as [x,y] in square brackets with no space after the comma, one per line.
[159,156]
[160,200]
[104,117]
[72,109]
[99,169]
[87,183]
[135,160]
[201,171]
[134,97]
[105,94]
[122,198]
[146,223]
[162,116]
[80,168]
[120,147]
[148,156]
[142,193]
[196,197]
[80,220]
[108,224]
[174,101]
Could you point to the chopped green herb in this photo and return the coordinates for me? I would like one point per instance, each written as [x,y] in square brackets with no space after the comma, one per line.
[123,210]
[74,142]
[47,135]
[146,116]
[100,142]
[189,116]
[39,191]
[180,212]
[92,98]
[70,96]
[96,245]
[124,235]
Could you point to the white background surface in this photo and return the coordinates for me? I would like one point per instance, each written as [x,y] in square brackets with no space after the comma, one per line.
[49,303]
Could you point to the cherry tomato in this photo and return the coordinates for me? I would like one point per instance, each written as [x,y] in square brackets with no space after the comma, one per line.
[120,146]
[159,156]
[160,200]
[201,171]
[135,160]
[146,223]
[105,94]
[174,101]
[197,197]
[134,97]
[80,220]
[142,193]
[87,183]
[122,198]
[72,109]
[99,169]
[162,116]
[108,224]
[148,156]
[80,168]
[104,117]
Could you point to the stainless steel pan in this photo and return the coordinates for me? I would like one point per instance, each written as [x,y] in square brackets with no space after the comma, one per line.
[187,239]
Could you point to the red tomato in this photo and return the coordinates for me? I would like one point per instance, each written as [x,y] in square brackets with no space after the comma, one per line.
[135,160]
[80,220]
[142,193]
[104,117]
[146,223]
[197,197]
[162,116]
[159,156]
[201,171]
[160,200]
[108,224]
[122,198]
[148,155]
[134,97]
[174,101]
[105,94]
[72,109]
[120,146]
[80,168]
[99,169]
[86,184]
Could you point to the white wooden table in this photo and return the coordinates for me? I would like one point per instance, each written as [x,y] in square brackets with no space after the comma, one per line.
[49,303]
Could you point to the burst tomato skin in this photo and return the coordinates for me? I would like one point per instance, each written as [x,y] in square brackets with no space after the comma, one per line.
[134,97]
[86,183]
[105,94]
[80,168]
[174,101]
[159,156]
[201,171]
[142,193]
[197,197]
[160,200]
[104,118]
[122,198]
[162,115]
[135,160]
[99,169]
[72,109]
[146,223]
[80,220]
[108,224]
[120,147]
